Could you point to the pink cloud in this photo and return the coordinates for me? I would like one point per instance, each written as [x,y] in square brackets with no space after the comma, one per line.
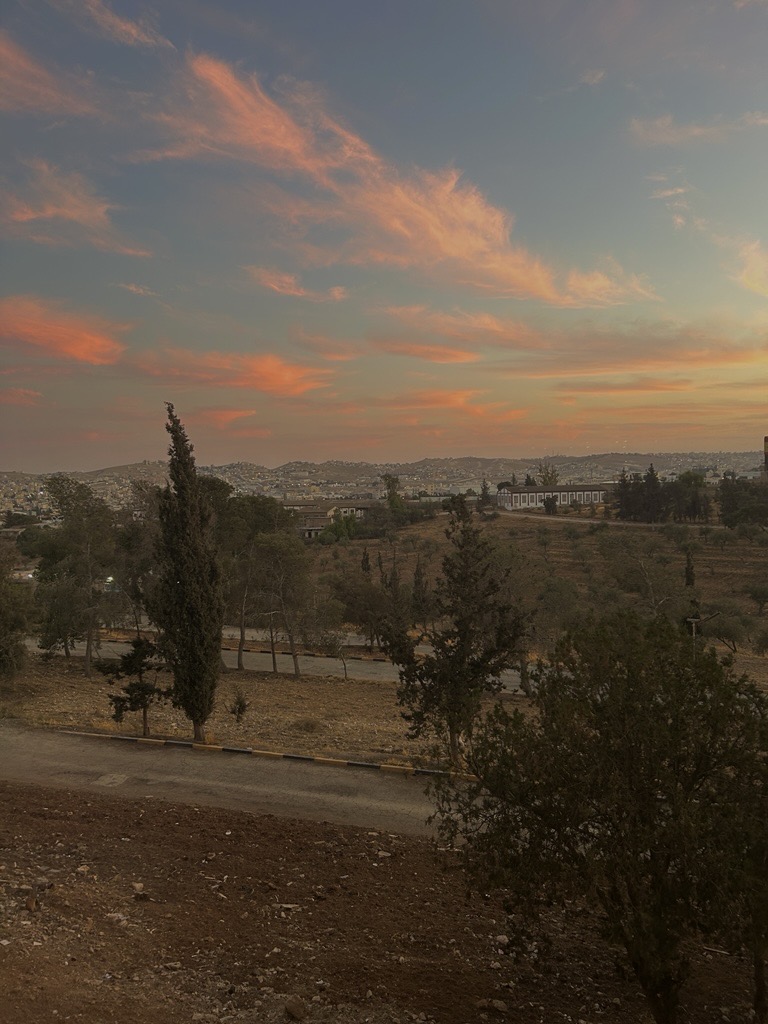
[67,208]
[470,403]
[267,373]
[20,396]
[222,419]
[481,328]
[333,349]
[25,85]
[50,327]
[289,284]
[431,221]
[430,353]
[654,385]
[112,26]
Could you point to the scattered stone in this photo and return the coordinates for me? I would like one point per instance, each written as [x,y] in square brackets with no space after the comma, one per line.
[295,1007]
[82,870]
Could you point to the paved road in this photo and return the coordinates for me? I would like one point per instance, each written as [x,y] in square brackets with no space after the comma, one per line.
[309,665]
[288,789]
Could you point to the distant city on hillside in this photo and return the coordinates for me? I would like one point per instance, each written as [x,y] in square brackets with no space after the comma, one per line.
[309,481]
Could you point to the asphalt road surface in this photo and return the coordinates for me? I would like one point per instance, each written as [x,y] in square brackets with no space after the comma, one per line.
[345,796]
[308,664]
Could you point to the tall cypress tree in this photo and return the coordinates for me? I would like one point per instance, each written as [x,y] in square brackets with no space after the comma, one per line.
[187,605]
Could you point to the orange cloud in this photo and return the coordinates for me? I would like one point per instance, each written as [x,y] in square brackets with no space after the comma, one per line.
[289,284]
[432,221]
[67,207]
[647,347]
[431,353]
[268,373]
[112,26]
[222,418]
[459,401]
[20,396]
[48,326]
[482,328]
[25,85]
[606,287]
[653,385]
[332,349]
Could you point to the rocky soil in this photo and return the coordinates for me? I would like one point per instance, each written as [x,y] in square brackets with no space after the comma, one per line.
[141,911]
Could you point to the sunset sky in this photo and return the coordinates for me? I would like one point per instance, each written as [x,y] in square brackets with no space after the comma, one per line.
[339,229]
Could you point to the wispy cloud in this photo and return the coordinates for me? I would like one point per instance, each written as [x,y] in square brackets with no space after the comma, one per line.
[665,131]
[222,419]
[335,350]
[434,222]
[478,328]
[470,403]
[55,330]
[289,284]
[20,396]
[654,385]
[103,19]
[753,272]
[430,353]
[59,208]
[650,347]
[137,289]
[26,86]
[267,373]
[593,77]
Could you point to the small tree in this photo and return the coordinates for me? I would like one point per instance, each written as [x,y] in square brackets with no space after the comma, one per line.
[15,608]
[548,473]
[484,500]
[615,791]
[472,645]
[550,505]
[187,604]
[138,694]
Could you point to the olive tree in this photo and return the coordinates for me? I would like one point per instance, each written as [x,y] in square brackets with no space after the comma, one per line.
[613,790]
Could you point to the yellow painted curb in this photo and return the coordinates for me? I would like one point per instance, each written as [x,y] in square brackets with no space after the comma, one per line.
[265,753]
[206,746]
[330,760]
[403,768]
[149,739]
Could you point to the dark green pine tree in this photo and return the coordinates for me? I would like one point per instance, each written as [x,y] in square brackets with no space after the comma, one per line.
[187,606]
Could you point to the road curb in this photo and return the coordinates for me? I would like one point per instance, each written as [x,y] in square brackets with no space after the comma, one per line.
[217,748]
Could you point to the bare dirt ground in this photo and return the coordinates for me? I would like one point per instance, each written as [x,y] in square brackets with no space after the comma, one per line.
[350,719]
[141,911]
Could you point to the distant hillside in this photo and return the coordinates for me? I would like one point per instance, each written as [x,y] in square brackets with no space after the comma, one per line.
[605,465]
